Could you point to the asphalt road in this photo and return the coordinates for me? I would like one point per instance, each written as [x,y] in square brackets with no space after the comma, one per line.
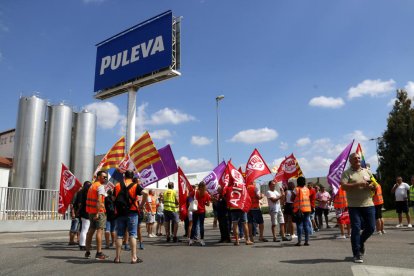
[47,253]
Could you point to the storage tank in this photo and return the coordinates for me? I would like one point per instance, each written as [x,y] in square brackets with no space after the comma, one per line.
[59,136]
[83,145]
[28,143]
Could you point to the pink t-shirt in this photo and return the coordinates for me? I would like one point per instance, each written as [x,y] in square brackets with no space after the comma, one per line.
[323,199]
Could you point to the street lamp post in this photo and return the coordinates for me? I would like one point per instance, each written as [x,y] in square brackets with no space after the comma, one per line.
[218,98]
[376,150]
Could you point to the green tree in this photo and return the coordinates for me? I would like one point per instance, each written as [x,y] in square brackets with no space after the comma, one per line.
[396,146]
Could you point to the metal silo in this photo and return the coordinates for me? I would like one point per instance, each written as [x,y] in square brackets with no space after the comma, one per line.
[28,143]
[83,145]
[59,138]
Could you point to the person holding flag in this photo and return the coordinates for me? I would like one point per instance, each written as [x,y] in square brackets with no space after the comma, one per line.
[356,181]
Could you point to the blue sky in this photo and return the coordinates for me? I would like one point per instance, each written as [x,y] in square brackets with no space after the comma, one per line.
[298,76]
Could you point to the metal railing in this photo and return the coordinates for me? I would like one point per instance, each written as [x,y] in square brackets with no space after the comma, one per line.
[29,204]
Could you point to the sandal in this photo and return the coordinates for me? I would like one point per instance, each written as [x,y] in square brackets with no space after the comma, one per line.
[236,243]
[117,261]
[138,260]
[249,242]
[263,240]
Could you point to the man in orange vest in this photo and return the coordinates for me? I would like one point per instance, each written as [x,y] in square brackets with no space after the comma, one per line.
[95,207]
[378,202]
[151,208]
[342,214]
[255,214]
[301,202]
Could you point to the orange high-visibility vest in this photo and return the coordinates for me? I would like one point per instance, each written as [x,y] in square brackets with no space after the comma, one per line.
[302,200]
[340,199]
[252,193]
[377,198]
[151,207]
[92,200]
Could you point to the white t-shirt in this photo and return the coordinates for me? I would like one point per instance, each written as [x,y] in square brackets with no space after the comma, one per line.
[273,207]
[401,192]
[289,194]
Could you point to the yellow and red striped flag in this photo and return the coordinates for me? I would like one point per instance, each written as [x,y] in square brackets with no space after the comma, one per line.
[113,156]
[143,152]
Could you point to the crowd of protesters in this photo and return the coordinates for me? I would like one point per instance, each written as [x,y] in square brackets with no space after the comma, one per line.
[357,206]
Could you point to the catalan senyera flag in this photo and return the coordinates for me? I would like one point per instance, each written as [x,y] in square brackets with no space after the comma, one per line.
[361,154]
[113,156]
[143,152]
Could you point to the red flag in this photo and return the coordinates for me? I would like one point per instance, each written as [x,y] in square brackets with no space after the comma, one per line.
[237,196]
[183,185]
[69,185]
[289,168]
[255,167]
[126,164]
[225,177]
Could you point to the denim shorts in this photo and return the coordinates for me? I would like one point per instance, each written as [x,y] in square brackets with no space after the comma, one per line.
[131,222]
[74,225]
[255,216]
[238,216]
[110,226]
[159,218]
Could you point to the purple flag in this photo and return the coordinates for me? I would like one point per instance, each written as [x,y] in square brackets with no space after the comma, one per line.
[337,168]
[161,169]
[212,180]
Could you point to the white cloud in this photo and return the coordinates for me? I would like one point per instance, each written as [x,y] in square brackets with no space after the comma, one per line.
[251,136]
[328,102]
[107,113]
[303,142]
[371,88]
[284,146]
[200,140]
[315,166]
[169,116]
[409,87]
[160,134]
[391,102]
[358,135]
[194,165]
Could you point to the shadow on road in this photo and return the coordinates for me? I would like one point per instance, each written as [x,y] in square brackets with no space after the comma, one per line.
[317,261]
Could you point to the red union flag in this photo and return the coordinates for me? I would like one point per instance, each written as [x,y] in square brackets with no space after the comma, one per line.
[69,185]
[289,168]
[225,177]
[126,164]
[255,167]
[237,196]
[183,186]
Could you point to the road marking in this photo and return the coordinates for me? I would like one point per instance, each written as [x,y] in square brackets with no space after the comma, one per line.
[364,270]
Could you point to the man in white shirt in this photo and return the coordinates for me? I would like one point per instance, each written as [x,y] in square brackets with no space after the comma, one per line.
[275,212]
[401,201]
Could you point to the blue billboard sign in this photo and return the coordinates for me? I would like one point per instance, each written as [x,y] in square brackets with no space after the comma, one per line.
[140,50]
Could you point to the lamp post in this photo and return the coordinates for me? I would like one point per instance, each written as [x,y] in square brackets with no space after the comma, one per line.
[376,150]
[218,98]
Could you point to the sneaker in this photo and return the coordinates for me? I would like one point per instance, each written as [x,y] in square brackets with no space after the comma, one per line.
[409,226]
[277,240]
[362,251]
[141,246]
[379,233]
[306,244]
[202,243]
[341,237]
[168,239]
[286,239]
[358,259]
[190,242]
[107,246]
[294,236]
[101,256]
[328,227]
[175,239]
[127,248]
[383,232]
[399,225]
[87,255]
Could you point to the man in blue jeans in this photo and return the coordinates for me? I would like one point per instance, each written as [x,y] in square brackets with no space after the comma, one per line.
[357,184]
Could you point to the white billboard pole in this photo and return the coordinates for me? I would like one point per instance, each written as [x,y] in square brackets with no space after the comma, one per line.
[132,113]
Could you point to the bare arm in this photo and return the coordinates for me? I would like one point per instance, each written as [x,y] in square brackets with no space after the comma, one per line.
[394,188]
[144,199]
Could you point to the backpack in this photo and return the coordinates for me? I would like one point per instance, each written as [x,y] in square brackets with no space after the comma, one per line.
[123,200]
[110,209]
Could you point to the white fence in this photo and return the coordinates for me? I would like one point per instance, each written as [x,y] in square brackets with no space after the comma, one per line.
[29,204]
